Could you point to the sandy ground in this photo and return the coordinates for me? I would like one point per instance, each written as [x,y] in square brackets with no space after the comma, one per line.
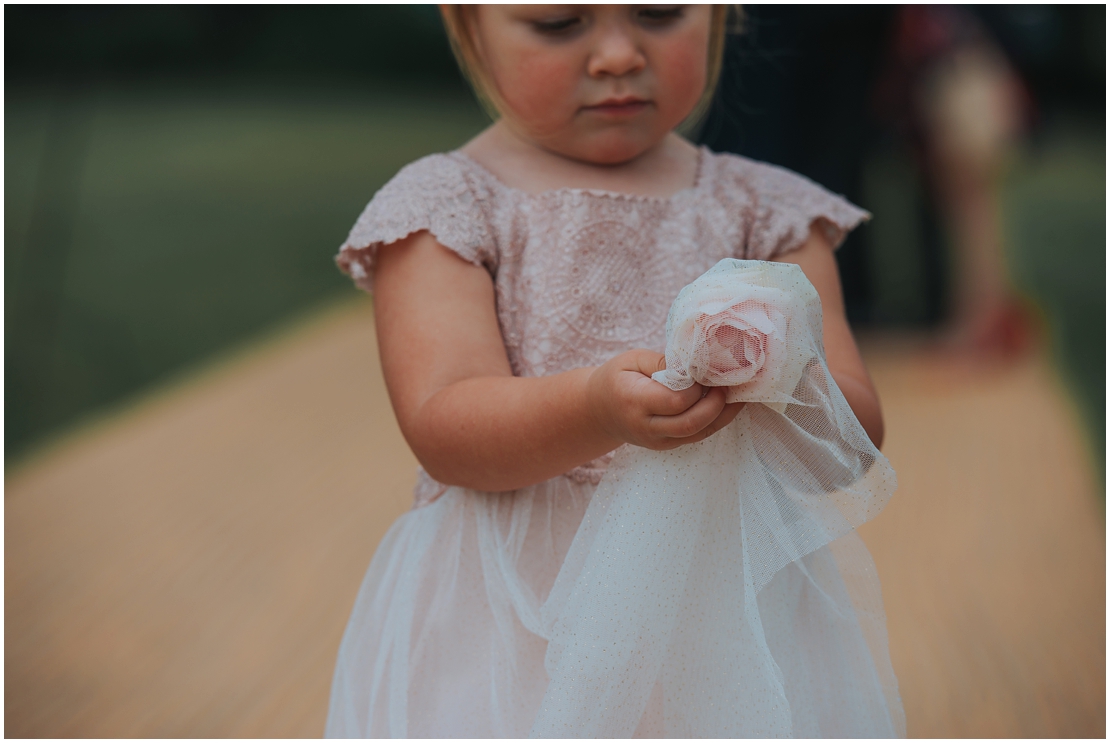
[186,568]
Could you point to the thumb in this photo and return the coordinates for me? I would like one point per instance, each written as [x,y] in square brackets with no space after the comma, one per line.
[643,361]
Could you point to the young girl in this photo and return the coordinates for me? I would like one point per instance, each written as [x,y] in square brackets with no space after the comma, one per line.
[521,289]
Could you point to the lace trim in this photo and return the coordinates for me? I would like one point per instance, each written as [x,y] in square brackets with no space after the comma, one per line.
[784,205]
[704,155]
[433,194]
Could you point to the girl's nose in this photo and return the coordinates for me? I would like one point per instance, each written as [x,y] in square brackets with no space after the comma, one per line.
[615,53]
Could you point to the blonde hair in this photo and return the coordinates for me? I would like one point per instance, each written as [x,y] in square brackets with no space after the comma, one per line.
[457,21]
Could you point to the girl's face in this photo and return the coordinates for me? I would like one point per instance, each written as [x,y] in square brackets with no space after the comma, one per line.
[597,83]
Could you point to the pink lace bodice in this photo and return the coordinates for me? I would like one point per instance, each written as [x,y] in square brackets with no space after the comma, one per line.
[582,275]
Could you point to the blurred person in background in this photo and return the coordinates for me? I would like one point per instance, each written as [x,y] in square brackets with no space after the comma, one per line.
[815,89]
[952,93]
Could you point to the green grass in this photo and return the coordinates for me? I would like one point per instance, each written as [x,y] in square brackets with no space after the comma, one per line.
[148,228]
[1055,216]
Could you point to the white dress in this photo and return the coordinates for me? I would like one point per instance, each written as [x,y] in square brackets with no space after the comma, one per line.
[450,630]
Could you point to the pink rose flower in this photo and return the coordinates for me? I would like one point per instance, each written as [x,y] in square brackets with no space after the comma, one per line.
[732,328]
[736,347]
[732,347]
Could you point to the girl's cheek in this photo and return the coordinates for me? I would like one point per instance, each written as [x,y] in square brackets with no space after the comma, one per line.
[683,67]
[539,91]
[685,73]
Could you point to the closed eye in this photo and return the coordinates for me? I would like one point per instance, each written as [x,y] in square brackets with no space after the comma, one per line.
[557,26]
[659,15]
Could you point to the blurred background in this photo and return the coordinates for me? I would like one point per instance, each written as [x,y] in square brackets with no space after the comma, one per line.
[178,177]
[194,419]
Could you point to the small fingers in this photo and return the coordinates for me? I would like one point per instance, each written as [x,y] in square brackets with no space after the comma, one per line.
[691,421]
[649,396]
[662,401]
[643,361]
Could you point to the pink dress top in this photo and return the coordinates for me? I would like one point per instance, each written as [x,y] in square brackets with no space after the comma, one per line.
[448,636]
[583,275]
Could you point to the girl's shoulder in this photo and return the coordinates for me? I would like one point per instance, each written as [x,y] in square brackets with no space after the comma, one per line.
[439,193]
[777,205]
[445,180]
[441,173]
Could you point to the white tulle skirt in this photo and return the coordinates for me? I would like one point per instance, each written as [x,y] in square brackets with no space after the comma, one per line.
[446,640]
[447,636]
[716,590]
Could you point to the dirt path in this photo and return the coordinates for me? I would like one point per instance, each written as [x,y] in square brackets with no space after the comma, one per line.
[187,568]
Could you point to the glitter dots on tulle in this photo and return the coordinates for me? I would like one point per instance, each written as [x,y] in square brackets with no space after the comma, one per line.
[683,556]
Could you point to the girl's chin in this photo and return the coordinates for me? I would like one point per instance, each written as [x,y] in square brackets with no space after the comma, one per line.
[605,150]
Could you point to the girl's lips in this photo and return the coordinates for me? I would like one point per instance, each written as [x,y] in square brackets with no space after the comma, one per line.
[619,107]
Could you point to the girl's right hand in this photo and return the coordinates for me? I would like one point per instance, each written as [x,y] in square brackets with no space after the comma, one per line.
[470,421]
[628,405]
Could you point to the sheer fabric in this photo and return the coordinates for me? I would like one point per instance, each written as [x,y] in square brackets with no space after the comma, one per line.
[704,574]
[449,633]
[446,638]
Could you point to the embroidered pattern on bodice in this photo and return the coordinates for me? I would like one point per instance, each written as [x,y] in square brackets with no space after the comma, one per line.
[581,275]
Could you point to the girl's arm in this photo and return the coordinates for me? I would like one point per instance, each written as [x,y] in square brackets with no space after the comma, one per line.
[470,422]
[817,262]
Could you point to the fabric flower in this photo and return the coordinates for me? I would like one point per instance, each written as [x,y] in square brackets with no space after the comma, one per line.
[732,328]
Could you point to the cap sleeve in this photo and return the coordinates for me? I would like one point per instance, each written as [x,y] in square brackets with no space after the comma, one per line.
[783,206]
[433,194]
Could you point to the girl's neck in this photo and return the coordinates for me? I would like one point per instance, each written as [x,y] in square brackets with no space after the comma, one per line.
[668,167]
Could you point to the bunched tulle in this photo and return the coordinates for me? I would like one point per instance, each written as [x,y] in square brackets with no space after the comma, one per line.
[701,575]
[717,590]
